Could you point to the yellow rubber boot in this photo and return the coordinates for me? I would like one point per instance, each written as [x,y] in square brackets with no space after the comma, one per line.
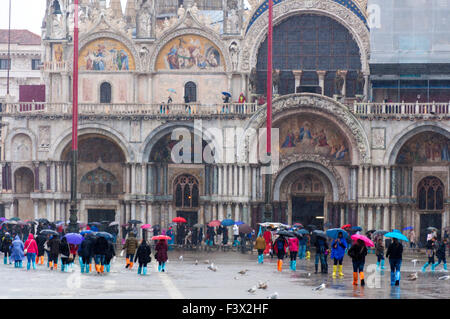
[341,274]
[334,271]
[308,255]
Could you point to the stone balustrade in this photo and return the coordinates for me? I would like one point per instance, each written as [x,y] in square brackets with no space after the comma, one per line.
[402,108]
[54,66]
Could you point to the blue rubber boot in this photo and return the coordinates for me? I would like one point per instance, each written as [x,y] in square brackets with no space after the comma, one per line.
[81,264]
[34,263]
[20,264]
[159,268]
[382,264]
[139,270]
[28,265]
[108,267]
[164,267]
[424,268]
[294,265]
[5,260]
[62,267]
[144,271]
[445,266]
[15,264]
[378,265]
[433,266]
[397,278]
[392,278]
[87,268]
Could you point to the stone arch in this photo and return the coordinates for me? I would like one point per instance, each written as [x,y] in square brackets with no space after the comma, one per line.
[198,193]
[23,180]
[399,140]
[64,139]
[161,131]
[257,29]
[333,177]
[321,105]
[25,135]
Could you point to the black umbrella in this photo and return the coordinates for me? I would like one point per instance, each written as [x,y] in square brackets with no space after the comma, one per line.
[94,223]
[156,227]
[311,227]
[320,233]
[245,229]
[48,232]
[134,222]
[285,233]
[42,220]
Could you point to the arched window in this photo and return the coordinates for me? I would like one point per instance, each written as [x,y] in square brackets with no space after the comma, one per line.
[186,192]
[190,91]
[105,92]
[430,194]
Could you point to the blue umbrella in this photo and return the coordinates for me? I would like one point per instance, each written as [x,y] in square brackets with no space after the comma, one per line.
[396,234]
[74,239]
[357,228]
[333,233]
[226,94]
[408,228]
[302,232]
[84,232]
[227,222]
[106,235]
[239,223]
[172,90]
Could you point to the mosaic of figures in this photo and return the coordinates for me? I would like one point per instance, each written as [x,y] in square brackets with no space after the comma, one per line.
[190,52]
[312,135]
[427,147]
[106,55]
[94,149]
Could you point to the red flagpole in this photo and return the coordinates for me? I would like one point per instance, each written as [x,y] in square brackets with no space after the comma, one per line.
[269,79]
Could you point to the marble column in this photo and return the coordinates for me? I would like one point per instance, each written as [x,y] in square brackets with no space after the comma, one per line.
[378,217]
[230,180]
[127,178]
[321,75]
[133,178]
[366,181]
[214,212]
[245,214]
[142,212]
[36,209]
[289,210]
[394,212]
[220,212]
[386,218]
[360,181]
[370,218]
[50,216]
[298,78]
[36,176]
[241,181]
[253,169]
[220,183]
[143,178]
[133,210]
[150,209]
[229,211]
[342,221]
[57,210]
[382,185]
[235,182]
[53,177]
[387,192]
[371,182]
[237,212]
[247,181]
[377,175]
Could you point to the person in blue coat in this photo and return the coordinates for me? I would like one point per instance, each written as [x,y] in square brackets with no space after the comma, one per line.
[17,252]
[338,248]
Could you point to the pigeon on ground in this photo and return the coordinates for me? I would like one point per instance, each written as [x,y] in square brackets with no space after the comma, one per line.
[413,276]
[243,272]
[212,267]
[273,296]
[319,288]
[262,285]
[414,261]
[252,290]
[236,278]
[196,262]
[447,277]
[206,262]
[181,258]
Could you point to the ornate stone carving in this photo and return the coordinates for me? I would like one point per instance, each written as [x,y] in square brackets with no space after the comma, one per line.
[234,53]
[44,138]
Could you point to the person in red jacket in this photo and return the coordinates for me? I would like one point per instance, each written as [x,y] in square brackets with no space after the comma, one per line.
[268,237]
[279,248]
[73,250]
[31,250]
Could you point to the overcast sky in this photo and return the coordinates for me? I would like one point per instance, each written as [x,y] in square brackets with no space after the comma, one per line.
[25,14]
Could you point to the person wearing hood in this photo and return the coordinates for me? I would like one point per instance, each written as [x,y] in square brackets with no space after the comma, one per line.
[130,245]
[6,245]
[338,247]
[161,255]
[53,245]
[110,253]
[40,241]
[143,257]
[394,253]
[85,252]
[31,250]
[358,253]
[100,251]
[64,250]
[293,251]
[279,247]
[17,255]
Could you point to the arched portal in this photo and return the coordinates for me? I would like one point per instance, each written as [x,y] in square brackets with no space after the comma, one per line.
[186,198]
[23,186]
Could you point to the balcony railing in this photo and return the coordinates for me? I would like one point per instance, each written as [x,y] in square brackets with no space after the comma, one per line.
[399,109]
[53,66]
[164,110]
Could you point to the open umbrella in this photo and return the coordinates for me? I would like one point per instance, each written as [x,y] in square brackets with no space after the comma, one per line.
[94,223]
[48,232]
[84,232]
[3,219]
[334,232]
[198,225]
[74,239]
[311,227]
[214,223]
[397,235]
[10,222]
[179,220]
[114,224]
[134,222]
[366,240]
[245,229]
[156,227]
[31,222]
[146,226]
[297,225]
[42,220]
[239,222]
[319,233]
[159,237]
[172,90]
[227,222]
[285,233]
[346,226]
[21,223]
[356,228]
[408,228]
[432,229]
[226,94]
[103,234]
[15,219]
[302,232]
[380,233]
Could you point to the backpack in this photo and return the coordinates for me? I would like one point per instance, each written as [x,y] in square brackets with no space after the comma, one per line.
[280,245]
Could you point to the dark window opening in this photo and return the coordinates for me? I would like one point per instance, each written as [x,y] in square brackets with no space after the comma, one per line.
[105,93]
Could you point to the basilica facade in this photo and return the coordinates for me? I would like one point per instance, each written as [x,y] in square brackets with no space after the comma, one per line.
[348,152]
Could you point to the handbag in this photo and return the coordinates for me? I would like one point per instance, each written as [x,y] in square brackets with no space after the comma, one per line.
[26,249]
[70,259]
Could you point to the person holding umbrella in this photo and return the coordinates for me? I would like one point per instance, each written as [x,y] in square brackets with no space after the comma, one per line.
[64,250]
[440,254]
[379,251]
[110,253]
[130,246]
[161,254]
[31,250]
[6,246]
[143,257]
[338,247]
[100,250]
[85,252]
[394,253]
[280,246]
[358,253]
[40,241]
[54,247]
[430,251]
[321,251]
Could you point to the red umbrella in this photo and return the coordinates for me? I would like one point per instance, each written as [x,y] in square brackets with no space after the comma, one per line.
[346,226]
[214,223]
[146,226]
[366,240]
[179,220]
[159,237]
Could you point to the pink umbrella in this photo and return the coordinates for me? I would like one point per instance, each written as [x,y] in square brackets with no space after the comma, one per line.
[214,223]
[366,240]
[146,226]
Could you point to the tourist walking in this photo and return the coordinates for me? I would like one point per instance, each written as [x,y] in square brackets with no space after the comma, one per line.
[379,252]
[358,253]
[17,254]
[130,247]
[440,253]
[321,251]
[430,251]
[302,247]
[40,241]
[100,251]
[161,255]
[110,253]
[260,245]
[64,251]
[86,253]
[6,246]
[394,253]
[280,246]
[338,248]
[53,246]
[31,250]
[293,251]
[143,257]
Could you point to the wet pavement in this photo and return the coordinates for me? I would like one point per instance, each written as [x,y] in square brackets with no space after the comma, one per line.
[185,279]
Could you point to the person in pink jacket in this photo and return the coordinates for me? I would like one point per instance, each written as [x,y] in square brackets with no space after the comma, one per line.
[31,250]
[293,251]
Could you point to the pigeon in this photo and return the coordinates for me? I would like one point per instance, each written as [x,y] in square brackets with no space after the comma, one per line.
[236,278]
[446,277]
[414,261]
[305,274]
[243,272]
[252,290]
[181,258]
[273,296]
[262,285]
[212,267]
[319,288]
[413,276]
[206,262]
[196,262]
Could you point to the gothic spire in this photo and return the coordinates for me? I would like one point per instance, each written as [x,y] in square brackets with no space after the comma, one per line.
[117,8]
